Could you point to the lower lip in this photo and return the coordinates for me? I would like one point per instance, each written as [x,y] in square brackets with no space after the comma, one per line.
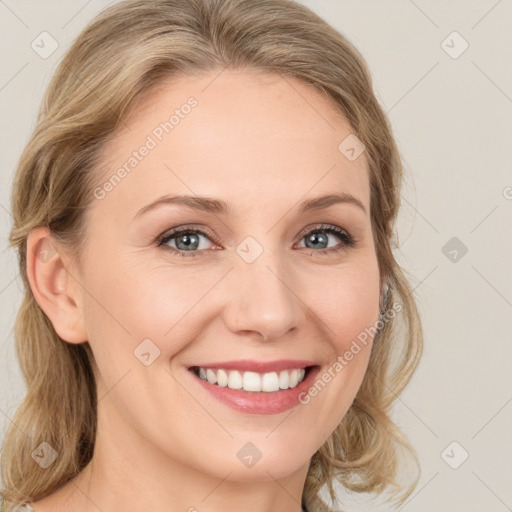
[260,402]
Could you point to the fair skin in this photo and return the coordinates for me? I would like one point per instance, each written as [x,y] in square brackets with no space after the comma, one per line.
[162,442]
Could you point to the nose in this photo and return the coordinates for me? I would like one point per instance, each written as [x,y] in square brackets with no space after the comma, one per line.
[262,298]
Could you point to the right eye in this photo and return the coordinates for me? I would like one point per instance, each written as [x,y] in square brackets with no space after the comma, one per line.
[187,241]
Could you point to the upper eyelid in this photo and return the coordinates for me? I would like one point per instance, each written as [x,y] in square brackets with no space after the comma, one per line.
[185,229]
[322,226]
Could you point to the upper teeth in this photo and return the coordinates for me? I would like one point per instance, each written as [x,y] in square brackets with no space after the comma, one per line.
[252,381]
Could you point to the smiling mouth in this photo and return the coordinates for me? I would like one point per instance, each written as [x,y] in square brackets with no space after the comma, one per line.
[253,381]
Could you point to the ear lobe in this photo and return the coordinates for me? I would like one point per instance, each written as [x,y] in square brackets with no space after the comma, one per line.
[53,287]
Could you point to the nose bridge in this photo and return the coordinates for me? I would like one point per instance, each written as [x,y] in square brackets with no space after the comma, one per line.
[262,296]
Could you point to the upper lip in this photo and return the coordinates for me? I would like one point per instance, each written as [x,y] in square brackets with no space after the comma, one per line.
[258,366]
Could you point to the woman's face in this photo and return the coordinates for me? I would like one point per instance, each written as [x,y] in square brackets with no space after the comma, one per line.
[259,281]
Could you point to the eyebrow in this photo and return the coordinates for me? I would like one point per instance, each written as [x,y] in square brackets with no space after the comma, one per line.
[218,206]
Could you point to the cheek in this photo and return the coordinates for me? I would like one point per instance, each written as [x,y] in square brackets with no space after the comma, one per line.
[129,303]
[349,310]
[348,303]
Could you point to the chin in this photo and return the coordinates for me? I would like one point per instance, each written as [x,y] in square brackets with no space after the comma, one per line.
[273,466]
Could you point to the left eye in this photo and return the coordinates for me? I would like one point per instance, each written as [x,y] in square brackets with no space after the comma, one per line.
[187,242]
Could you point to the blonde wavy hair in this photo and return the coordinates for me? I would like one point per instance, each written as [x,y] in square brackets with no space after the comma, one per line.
[118,59]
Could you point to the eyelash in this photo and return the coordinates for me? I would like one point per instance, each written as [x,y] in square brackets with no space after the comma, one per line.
[347,240]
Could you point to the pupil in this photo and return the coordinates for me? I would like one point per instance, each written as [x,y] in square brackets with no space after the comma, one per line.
[316,239]
[187,241]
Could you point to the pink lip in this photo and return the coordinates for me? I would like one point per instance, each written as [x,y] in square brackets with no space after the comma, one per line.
[253,402]
[258,366]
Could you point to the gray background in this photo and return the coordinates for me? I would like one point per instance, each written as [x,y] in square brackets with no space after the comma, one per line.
[451,115]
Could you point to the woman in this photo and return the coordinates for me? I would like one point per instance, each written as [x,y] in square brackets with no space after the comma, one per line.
[213,316]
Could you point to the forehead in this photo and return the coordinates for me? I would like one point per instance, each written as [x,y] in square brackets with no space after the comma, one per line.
[244,136]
